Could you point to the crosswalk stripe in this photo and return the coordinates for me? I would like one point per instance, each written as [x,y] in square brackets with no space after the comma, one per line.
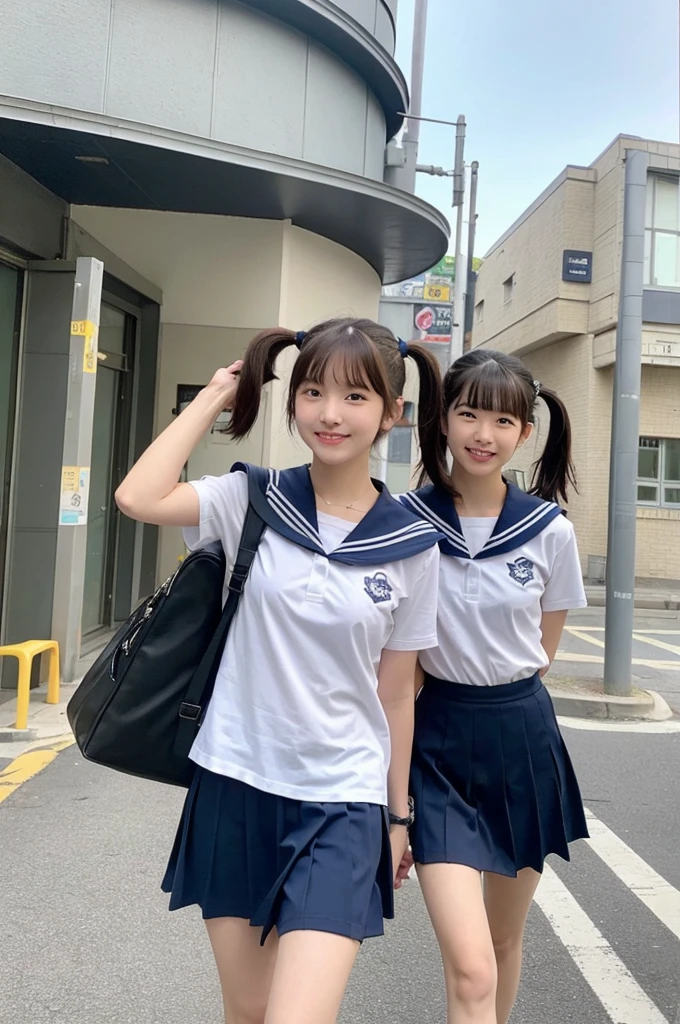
[609,978]
[643,881]
[673,648]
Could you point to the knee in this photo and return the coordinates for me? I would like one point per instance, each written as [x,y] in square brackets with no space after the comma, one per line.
[506,946]
[473,980]
[245,1013]
[248,1017]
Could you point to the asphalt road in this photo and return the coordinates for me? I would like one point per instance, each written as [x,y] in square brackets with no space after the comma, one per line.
[87,938]
[656,650]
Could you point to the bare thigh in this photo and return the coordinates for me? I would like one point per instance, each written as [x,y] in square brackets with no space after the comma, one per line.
[455,902]
[508,901]
[244,966]
[310,977]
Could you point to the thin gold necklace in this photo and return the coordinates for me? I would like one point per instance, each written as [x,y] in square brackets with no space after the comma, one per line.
[340,504]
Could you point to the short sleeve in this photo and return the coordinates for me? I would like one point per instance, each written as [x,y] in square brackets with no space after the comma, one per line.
[415,618]
[564,589]
[223,501]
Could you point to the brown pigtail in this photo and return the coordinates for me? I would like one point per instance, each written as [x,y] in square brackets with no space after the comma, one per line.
[554,471]
[258,370]
[432,464]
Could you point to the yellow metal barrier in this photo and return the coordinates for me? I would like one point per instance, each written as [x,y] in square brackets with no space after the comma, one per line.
[25,653]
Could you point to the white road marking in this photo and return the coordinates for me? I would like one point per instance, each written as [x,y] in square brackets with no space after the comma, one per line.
[673,648]
[650,632]
[609,978]
[599,725]
[652,889]
[584,636]
[597,659]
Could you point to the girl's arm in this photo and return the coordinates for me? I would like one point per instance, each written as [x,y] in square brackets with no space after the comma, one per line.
[395,690]
[150,492]
[552,624]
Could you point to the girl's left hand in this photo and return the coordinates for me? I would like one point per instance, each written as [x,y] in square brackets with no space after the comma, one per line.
[399,845]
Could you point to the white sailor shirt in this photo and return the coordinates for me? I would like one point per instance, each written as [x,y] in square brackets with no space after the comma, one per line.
[496,578]
[295,709]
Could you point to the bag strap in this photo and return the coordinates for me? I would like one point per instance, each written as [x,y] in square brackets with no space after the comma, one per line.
[199,691]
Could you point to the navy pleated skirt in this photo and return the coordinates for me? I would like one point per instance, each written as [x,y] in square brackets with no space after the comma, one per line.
[493,784]
[288,864]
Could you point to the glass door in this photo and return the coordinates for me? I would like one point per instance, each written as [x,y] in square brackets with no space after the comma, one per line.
[11,281]
[107,465]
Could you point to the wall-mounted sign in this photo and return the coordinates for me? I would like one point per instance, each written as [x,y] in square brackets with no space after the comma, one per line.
[433,323]
[186,394]
[437,293]
[577,266]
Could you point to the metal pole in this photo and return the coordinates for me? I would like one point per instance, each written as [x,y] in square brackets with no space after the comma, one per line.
[69,574]
[412,133]
[457,312]
[472,227]
[619,618]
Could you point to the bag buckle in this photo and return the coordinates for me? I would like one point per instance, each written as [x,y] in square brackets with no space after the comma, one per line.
[190,711]
[237,582]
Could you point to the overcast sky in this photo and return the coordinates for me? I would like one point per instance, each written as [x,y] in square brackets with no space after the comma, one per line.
[542,84]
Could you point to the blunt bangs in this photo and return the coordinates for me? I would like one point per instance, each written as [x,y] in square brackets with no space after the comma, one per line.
[493,388]
[351,356]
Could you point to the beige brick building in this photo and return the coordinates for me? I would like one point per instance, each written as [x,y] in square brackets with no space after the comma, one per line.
[548,291]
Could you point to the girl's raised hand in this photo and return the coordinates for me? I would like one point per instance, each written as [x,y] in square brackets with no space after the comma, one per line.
[225,381]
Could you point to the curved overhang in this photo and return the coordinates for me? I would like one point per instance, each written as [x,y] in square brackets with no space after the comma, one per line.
[323,21]
[111,163]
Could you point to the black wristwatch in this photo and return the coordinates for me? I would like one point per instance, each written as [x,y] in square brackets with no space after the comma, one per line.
[406,822]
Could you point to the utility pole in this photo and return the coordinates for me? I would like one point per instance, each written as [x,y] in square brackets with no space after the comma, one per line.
[472,228]
[405,177]
[457,312]
[620,585]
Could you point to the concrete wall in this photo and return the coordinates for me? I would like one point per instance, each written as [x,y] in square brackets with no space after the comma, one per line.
[319,280]
[31,217]
[542,305]
[223,280]
[377,16]
[587,394]
[209,68]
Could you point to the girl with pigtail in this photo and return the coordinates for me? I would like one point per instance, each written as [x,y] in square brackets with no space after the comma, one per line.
[299,806]
[493,785]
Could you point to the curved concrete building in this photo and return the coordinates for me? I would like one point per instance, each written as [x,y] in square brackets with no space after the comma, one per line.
[175,175]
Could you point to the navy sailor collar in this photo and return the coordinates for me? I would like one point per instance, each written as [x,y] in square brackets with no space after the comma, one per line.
[522,517]
[389,532]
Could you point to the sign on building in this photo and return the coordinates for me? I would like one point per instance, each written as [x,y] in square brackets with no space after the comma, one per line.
[577,266]
[433,322]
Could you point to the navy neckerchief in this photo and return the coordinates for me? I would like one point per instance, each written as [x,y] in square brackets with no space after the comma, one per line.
[522,517]
[284,499]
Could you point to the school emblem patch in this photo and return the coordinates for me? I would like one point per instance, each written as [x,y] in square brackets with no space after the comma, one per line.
[378,587]
[521,570]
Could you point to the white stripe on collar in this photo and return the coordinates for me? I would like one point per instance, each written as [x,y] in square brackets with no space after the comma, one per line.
[424,510]
[517,528]
[386,539]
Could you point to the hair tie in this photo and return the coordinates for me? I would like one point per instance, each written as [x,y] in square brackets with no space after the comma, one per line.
[300,337]
[403,347]
[537,388]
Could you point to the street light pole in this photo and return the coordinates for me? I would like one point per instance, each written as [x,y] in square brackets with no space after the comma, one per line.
[457,311]
[620,585]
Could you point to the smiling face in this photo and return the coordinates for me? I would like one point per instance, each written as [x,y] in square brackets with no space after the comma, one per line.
[482,441]
[340,419]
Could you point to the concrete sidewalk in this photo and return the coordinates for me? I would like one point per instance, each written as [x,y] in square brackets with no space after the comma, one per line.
[652,594]
[573,697]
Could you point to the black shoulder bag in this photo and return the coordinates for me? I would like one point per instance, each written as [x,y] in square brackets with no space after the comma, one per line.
[139,707]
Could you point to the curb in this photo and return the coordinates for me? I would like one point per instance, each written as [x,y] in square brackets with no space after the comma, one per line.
[10,735]
[598,599]
[650,708]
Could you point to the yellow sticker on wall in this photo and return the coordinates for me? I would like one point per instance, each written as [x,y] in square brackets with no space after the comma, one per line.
[88,331]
